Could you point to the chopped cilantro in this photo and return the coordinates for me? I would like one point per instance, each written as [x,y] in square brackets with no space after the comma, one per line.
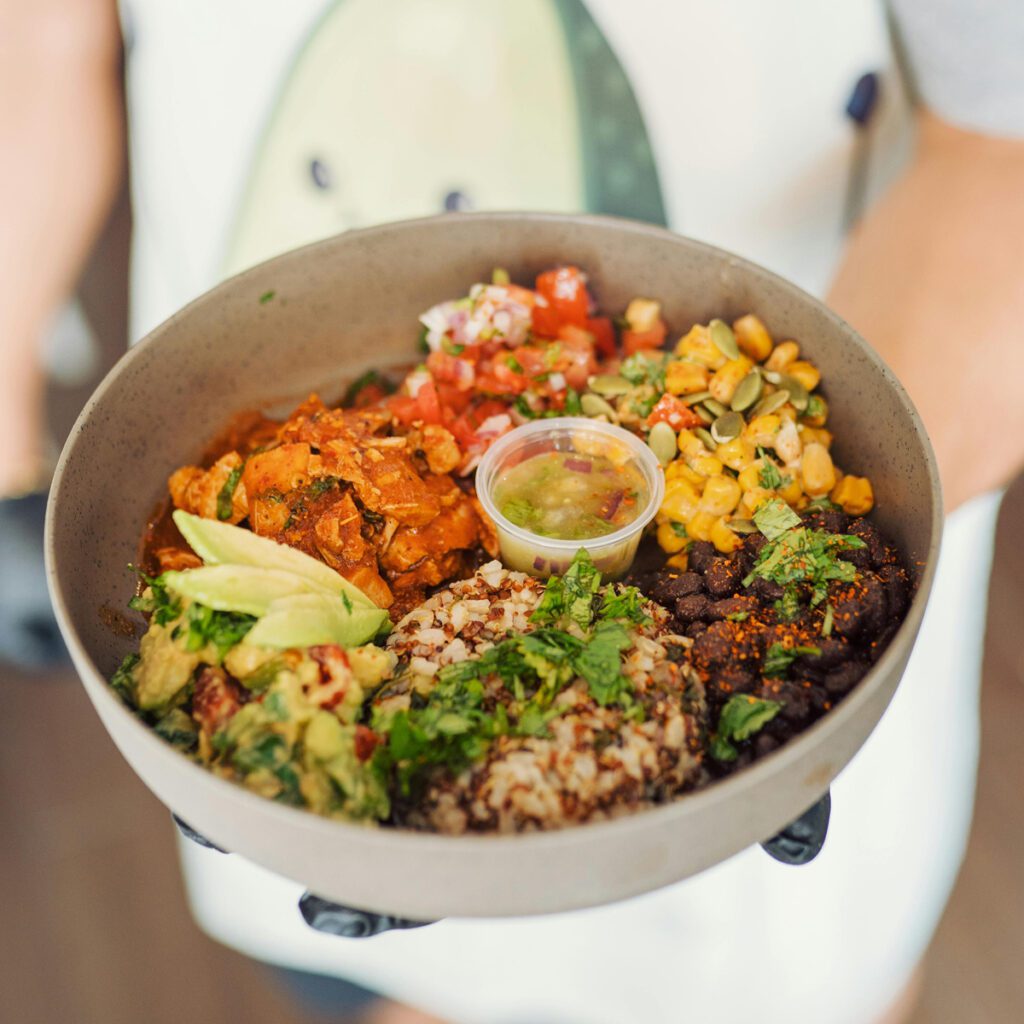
[826,624]
[679,529]
[824,503]
[156,601]
[570,595]
[774,518]
[623,604]
[771,479]
[815,406]
[321,485]
[225,497]
[645,369]
[572,403]
[524,408]
[123,679]
[779,658]
[514,365]
[449,346]
[203,625]
[741,717]
[788,606]
[738,616]
[600,664]
[421,342]
[267,297]
[178,729]
[519,511]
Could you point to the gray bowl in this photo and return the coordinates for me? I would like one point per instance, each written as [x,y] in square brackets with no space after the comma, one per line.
[317,317]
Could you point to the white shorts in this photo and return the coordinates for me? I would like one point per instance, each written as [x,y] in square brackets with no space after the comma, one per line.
[833,942]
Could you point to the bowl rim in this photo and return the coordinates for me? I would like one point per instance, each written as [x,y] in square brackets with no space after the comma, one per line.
[778,763]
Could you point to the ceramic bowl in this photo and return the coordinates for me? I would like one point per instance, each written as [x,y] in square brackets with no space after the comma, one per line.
[316,317]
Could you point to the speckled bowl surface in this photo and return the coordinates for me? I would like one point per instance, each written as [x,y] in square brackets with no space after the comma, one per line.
[319,316]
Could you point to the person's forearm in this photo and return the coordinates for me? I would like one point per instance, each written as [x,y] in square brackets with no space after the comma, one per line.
[60,161]
[934,279]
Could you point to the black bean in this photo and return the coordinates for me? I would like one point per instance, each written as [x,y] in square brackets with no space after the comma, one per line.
[765,744]
[833,652]
[729,606]
[736,679]
[723,577]
[693,606]
[871,537]
[670,588]
[753,543]
[858,608]
[844,678]
[700,554]
[830,520]
[694,629]
[897,590]
[766,591]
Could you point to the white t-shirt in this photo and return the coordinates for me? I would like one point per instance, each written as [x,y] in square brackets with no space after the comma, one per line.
[257,126]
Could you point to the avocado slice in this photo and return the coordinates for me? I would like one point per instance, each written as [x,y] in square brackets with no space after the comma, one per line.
[240,588]
[304,620]
[219,543]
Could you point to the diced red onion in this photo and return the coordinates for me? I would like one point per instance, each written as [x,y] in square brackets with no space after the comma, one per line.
[538,562]
[580,466]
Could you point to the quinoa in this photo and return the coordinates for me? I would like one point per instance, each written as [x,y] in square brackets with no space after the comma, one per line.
[594,762]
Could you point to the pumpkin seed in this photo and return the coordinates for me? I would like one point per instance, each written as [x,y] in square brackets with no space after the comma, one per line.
[798,394]
[772,376]
[709,441]
[723,339]
[595,405]
[704,414]
[742,526]
[697,396]
[769,404]
[714,407]
[662,441]
[609,384]
[727,427]
[748,391]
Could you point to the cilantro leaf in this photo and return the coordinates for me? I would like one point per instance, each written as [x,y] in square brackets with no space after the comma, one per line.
[740,718]
[779,658]
[771,479]
[227,493]
[570,595]
[123,679]
[774,518]
[599,663]
[223,630]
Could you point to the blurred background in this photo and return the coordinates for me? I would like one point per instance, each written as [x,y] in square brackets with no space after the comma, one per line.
[95,922]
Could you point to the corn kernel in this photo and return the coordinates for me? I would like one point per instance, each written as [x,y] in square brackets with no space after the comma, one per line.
[721,495]
[673,471]
[854,495]
[699,527]
[706,465]
[681,500]
[792,492]
[685,378]
[690,476]
[724,539]
[698,346]
[807,373]
[680,561]
[816,435]
[752,500]
[752,337]
[736,453]
[643,314]
[762,429]
[749,477]
[819,476]
[725,381]
[784,354]
[669,540]
[690,444]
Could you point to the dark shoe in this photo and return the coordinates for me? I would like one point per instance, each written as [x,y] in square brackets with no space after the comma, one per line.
[29,637]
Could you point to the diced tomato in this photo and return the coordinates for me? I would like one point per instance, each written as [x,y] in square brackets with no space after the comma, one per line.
[561,299]
[366,741]
[636,341]
[453,398]
[464,427]
[603,330]
[424,406]
[675,413]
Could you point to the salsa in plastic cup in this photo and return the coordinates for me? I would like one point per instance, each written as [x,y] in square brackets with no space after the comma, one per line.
[555,486]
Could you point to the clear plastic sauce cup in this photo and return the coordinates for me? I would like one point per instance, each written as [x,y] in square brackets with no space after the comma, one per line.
[542,555]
